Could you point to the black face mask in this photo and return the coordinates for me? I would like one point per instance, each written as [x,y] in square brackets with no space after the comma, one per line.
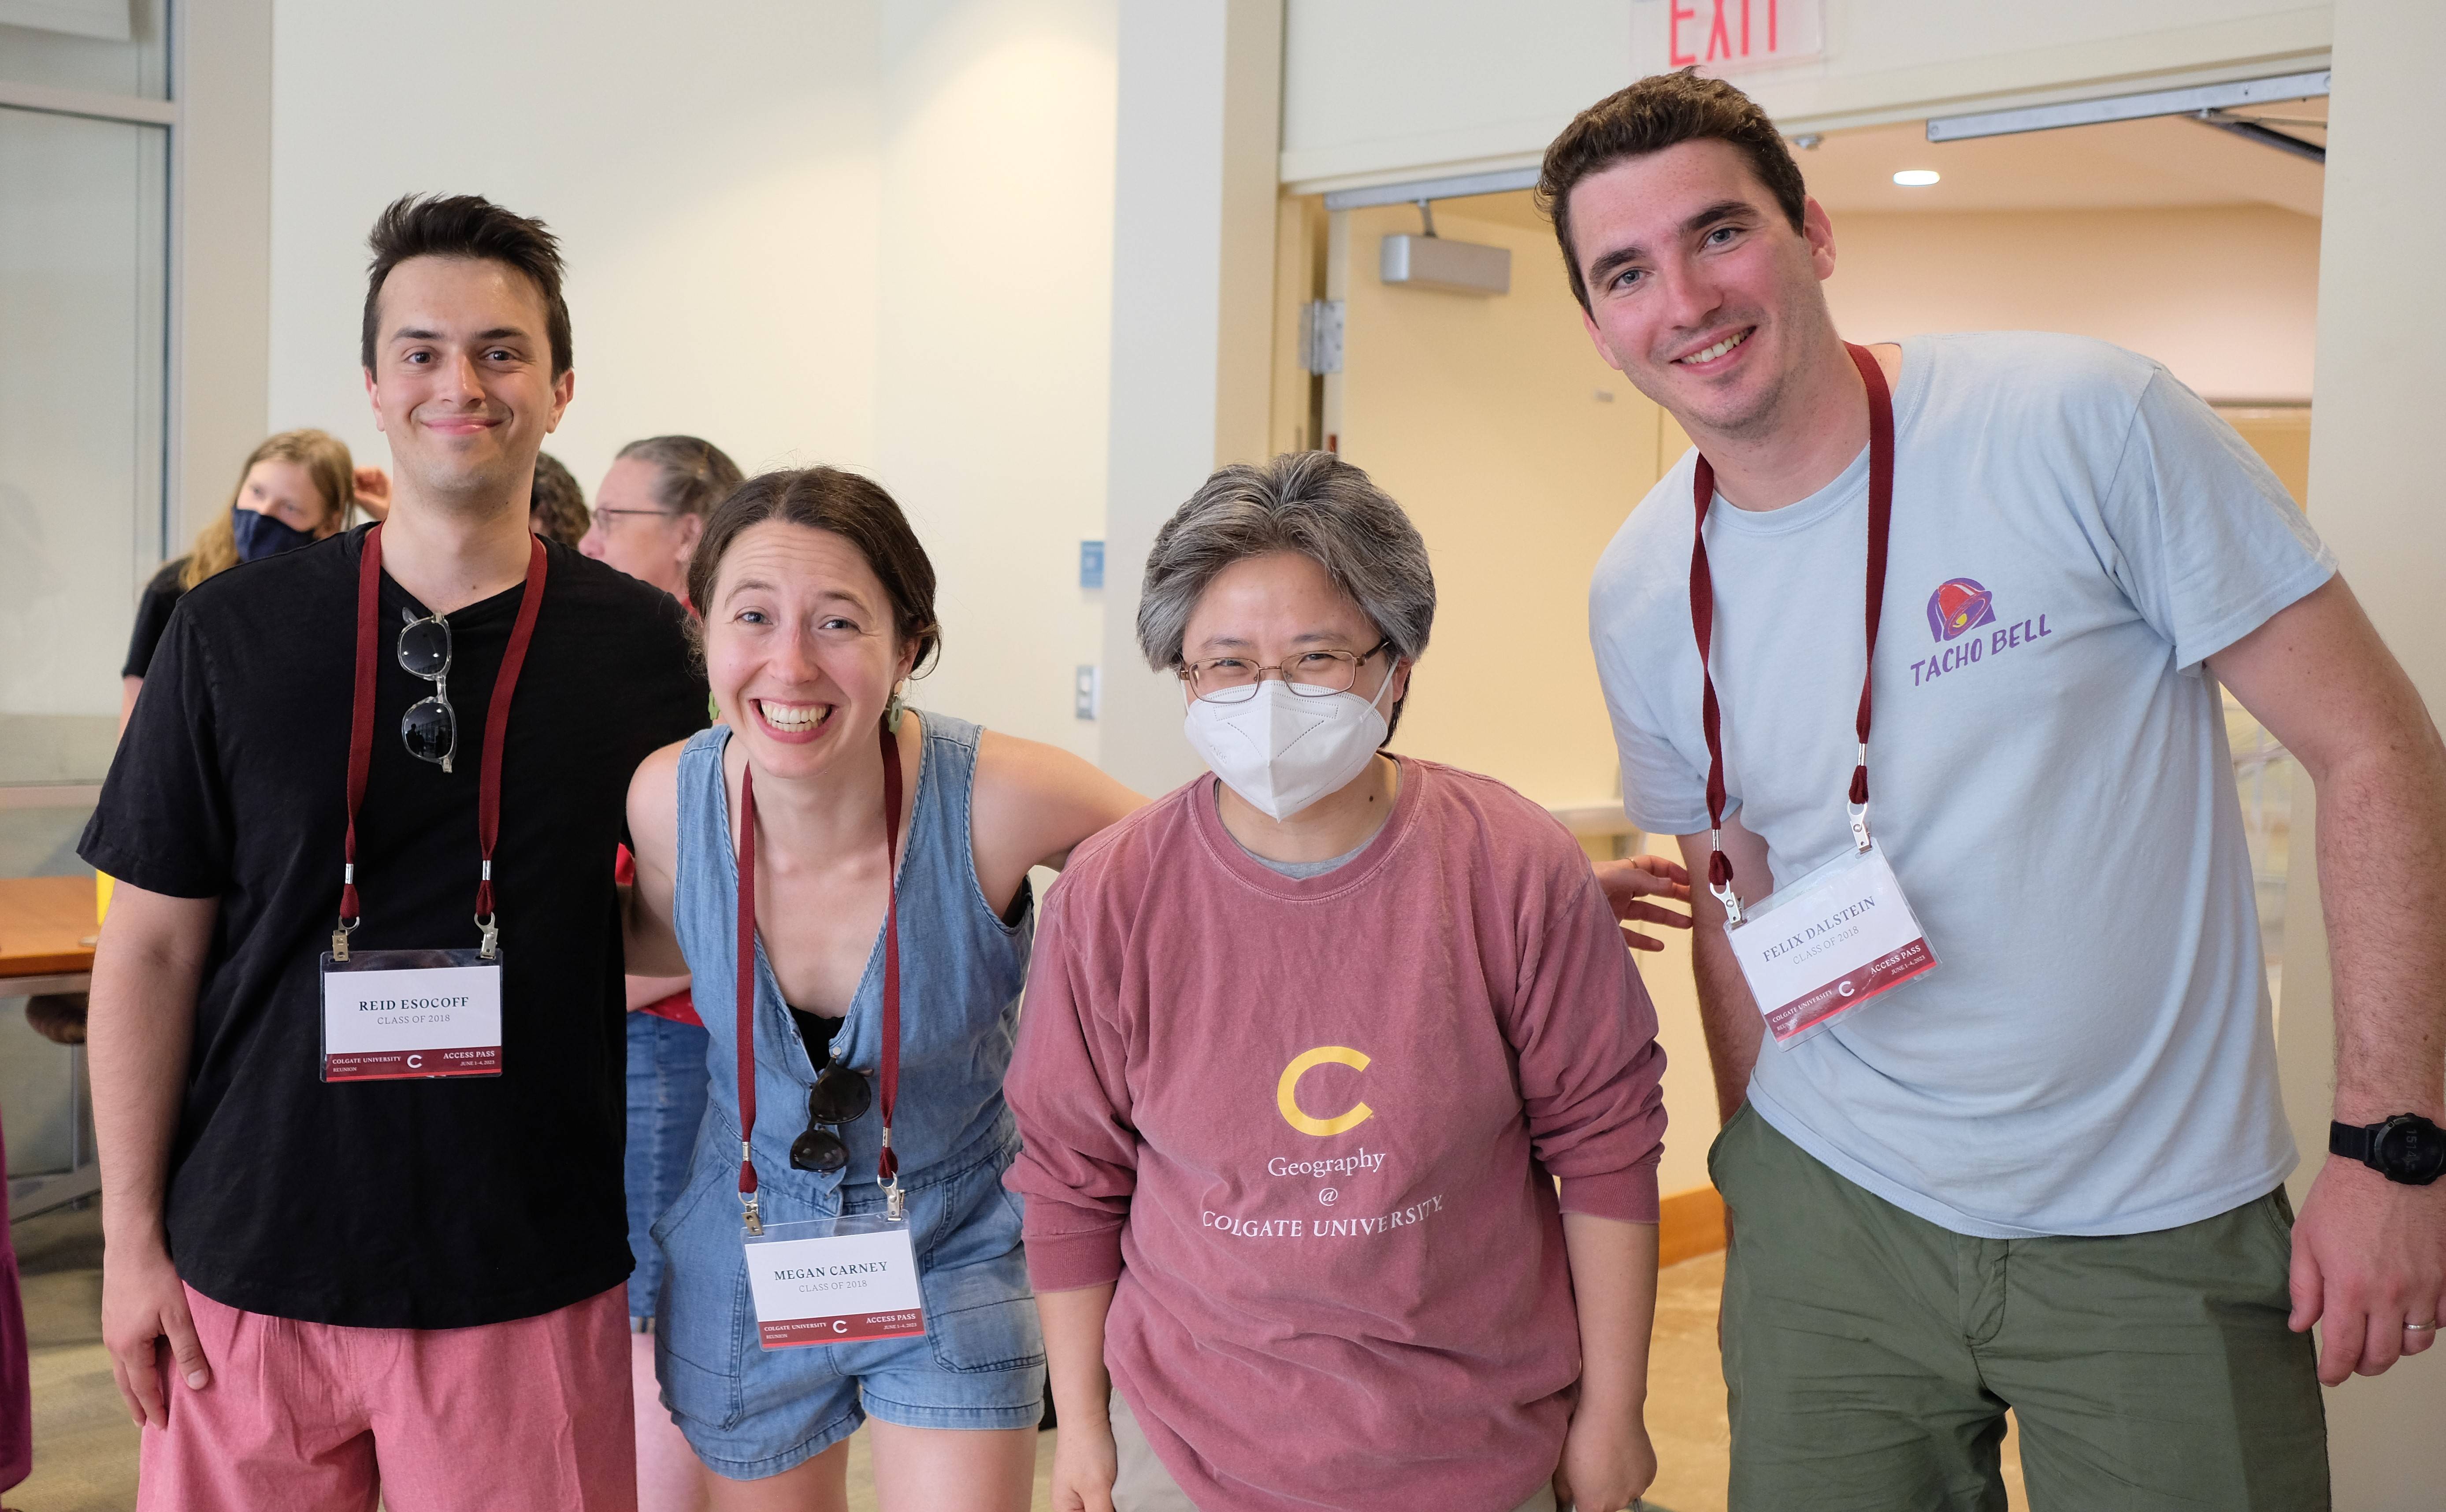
[259,535]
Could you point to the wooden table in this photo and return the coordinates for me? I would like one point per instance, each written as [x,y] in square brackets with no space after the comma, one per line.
[46,930]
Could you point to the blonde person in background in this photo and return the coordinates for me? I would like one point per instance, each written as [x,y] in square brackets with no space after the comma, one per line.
[295,490]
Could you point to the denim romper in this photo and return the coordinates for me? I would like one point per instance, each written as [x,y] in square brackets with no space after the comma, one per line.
[749,1411]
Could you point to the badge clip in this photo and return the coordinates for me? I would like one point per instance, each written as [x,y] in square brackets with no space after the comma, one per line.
[1860,826]
[896,1202]
[1723,889]
[340,942]
[492,942]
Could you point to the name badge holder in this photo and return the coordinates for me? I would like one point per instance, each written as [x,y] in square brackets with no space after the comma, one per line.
[392,1015]
[1816,950]
[828,1280]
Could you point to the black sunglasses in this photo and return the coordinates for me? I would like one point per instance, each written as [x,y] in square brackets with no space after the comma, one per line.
[839,1097]
[430,727]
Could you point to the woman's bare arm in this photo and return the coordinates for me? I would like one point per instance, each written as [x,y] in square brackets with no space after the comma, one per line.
[1033,803]
[652,947]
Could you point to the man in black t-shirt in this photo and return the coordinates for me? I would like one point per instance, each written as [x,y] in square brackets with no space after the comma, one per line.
[316,1285]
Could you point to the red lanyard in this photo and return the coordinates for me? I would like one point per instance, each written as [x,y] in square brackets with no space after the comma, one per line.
[887,1166]
[1702,619]
[497,730]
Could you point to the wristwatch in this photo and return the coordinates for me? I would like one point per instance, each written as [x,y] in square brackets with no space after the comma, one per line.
[2407,1148]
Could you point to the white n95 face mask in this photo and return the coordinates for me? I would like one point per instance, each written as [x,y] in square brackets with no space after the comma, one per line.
[1282,751]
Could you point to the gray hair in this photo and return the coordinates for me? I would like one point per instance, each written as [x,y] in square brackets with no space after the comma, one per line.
[692,474]
[1311,502]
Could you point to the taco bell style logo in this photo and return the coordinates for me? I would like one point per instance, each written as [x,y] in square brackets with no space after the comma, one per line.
[1959,605]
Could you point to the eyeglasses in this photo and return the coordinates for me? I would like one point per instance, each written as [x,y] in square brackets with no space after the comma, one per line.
[839,1097]
[1310,674]
[600,513]
[430,727]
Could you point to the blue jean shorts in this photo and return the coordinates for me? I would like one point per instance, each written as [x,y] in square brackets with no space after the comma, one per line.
[751,1412]
[667,1091]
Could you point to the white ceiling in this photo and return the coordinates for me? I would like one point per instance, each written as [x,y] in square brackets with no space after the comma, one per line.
[2160,162]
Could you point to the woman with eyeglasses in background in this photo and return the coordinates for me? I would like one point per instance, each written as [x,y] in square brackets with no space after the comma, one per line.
[876,857]
[650,509]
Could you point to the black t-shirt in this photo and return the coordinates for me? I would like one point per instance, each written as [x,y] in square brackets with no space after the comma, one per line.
[162,595]
[429,1203]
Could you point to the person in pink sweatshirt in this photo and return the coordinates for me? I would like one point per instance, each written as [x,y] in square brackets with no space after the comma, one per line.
[1338,1087]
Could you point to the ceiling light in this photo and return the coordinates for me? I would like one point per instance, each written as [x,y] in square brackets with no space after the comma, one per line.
[1916,177]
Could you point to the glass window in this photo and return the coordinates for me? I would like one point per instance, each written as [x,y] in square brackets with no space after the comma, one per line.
[84,298]
[40,42]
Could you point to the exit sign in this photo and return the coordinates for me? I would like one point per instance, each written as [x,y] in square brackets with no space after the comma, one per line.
[1720,37]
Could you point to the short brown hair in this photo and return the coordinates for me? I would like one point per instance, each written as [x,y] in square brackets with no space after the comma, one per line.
[691,475]
[1662,110]
[556,508]
[464,226]
[856,510]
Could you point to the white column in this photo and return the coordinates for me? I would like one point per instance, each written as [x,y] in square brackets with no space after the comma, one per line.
[1193,291]
[2375,497]
[220,342]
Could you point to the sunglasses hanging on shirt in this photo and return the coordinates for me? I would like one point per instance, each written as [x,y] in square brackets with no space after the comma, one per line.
[853,1275]
[434,1011]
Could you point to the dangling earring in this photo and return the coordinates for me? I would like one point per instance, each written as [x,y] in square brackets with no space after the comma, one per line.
[892,709]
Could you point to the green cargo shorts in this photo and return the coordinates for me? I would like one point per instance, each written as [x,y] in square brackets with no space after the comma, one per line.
[1870,1355]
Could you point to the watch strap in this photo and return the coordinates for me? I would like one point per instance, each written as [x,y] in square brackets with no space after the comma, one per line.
[2352,1141]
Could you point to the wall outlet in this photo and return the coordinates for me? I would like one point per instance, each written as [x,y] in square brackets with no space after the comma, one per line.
[1086,692]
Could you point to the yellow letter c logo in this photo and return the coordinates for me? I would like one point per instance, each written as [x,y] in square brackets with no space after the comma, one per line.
[1286,1091]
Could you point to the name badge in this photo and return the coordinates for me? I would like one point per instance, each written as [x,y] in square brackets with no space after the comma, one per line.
[388,1015]
[835,1280]
[1819,948]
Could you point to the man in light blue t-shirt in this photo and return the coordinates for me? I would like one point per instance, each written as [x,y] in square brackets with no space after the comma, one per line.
[2047,1173]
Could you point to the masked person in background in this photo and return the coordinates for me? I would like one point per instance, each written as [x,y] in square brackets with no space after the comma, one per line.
[817,856]
[295,490]
[1307,1042]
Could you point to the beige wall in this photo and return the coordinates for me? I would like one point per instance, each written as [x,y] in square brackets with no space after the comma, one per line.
[2225,296]
[1198,101]
[994,337]
[1382,89]
[2373,495]
[877,234]
[1518,454]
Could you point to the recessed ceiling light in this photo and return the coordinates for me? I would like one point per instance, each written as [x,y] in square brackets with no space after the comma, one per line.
[1916,177]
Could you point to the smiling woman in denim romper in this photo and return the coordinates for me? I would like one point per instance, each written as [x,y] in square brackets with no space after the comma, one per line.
[818,605]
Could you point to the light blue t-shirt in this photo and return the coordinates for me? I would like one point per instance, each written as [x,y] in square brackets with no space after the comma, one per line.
[2074,532]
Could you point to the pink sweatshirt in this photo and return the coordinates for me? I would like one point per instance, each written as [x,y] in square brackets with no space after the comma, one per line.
[1309,1125]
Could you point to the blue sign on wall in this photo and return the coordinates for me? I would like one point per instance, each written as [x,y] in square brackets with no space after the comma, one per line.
[1091,564]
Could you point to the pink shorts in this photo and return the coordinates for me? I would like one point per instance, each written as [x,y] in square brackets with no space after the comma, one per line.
[531,1414]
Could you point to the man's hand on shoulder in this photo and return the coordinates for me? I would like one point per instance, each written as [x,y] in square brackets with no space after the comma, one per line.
[1628,882]
[2370,1256]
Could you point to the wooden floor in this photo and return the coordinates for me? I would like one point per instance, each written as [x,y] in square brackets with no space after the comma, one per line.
[85,1450]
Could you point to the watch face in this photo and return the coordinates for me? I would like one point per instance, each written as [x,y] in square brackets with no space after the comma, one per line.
[2413,1147]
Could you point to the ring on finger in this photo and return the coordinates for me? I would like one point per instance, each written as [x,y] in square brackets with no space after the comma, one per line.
[2420,1328]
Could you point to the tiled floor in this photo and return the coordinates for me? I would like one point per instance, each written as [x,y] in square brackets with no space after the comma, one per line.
[85,1450]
